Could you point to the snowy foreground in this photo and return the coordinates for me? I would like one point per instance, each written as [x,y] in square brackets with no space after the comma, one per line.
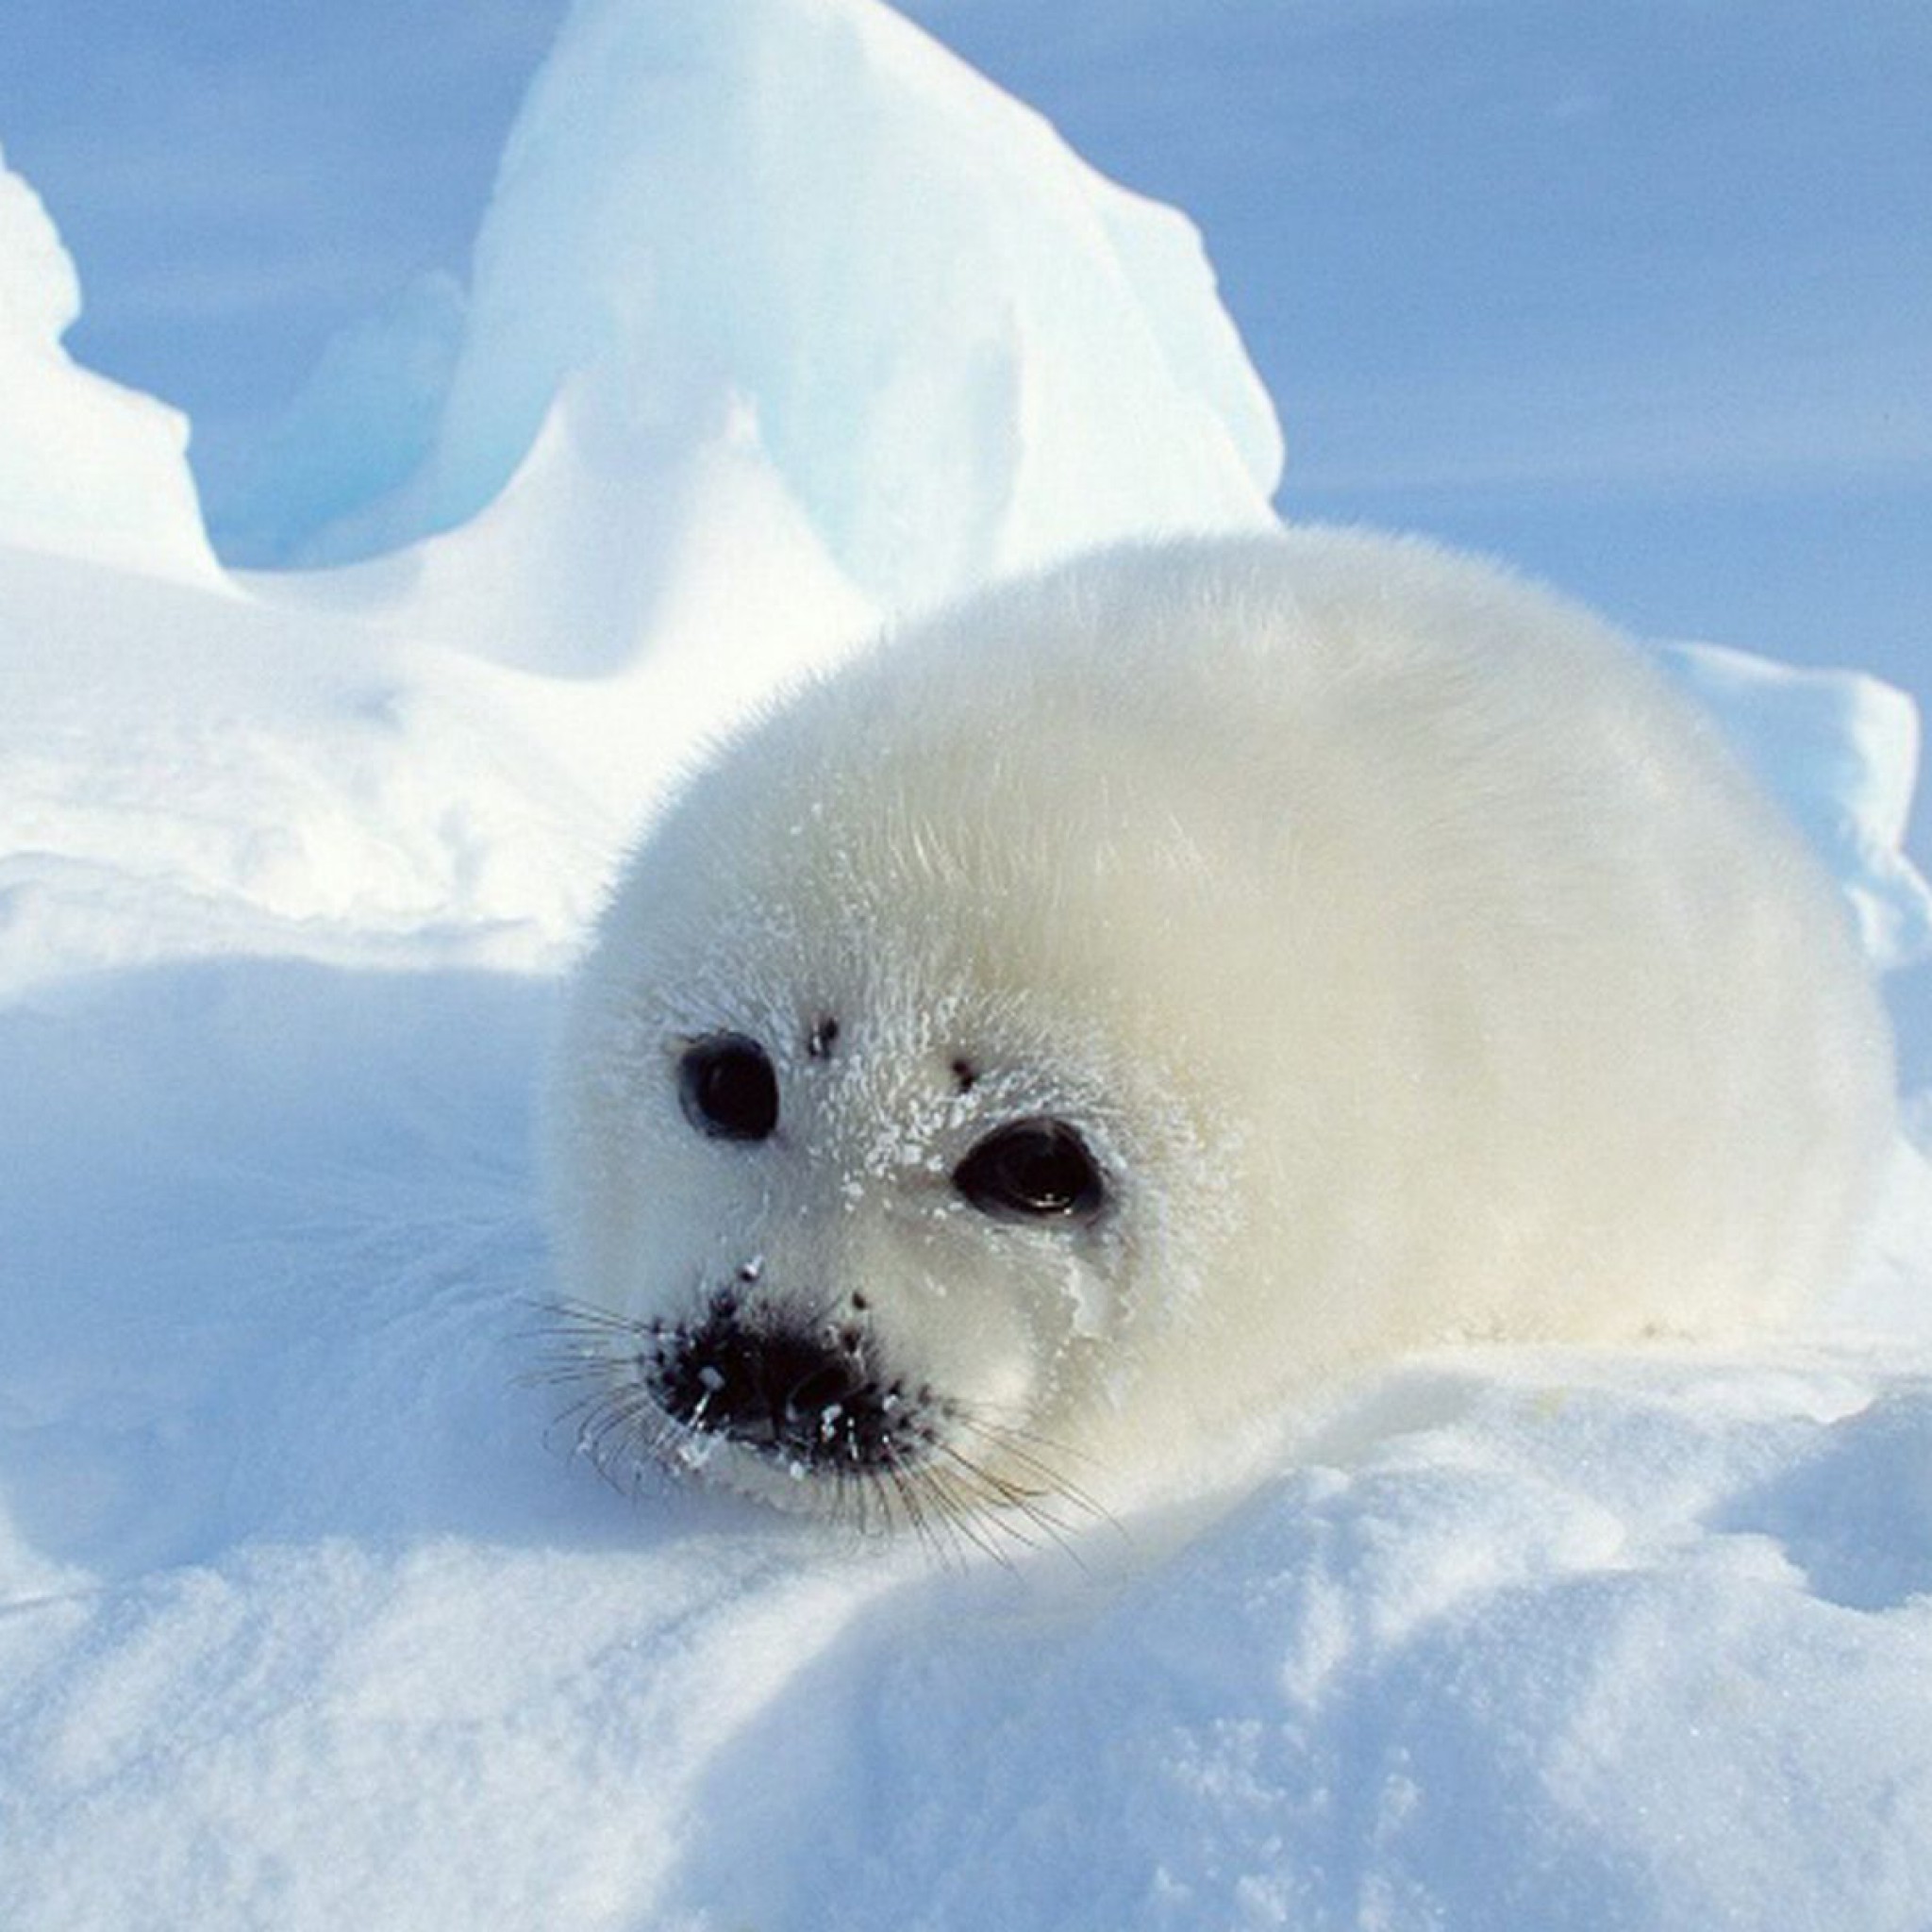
[308,1617]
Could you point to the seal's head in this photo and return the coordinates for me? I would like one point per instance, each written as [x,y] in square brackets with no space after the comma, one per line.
[869,1130]
[1027,1057]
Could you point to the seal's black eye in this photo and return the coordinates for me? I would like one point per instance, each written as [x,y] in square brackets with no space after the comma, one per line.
[1032,1169]
[728,1088]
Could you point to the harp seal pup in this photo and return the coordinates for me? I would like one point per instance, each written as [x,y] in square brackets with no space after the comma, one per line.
[1092,1024]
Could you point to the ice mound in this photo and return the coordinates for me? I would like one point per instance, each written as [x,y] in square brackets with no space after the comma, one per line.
[87,468]
[1839,750]
[802,232]
[356,430]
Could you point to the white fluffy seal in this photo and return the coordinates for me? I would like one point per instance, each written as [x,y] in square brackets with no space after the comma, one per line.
[1111,1012]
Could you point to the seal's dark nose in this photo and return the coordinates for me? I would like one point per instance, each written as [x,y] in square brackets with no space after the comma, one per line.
[797,1396]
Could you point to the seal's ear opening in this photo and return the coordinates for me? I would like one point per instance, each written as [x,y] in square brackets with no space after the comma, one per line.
[1032,1170]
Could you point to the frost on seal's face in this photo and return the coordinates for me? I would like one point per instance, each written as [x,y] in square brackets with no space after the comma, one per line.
[1035,1059]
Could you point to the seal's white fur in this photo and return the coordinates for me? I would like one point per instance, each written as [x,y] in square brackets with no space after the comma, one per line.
[1416,966]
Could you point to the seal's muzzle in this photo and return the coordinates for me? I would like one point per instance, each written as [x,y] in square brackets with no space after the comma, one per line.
[790,1393]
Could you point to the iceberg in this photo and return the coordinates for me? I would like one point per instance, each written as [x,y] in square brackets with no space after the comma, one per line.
[356,430]
[801,234]
[1839,751]
[88,469]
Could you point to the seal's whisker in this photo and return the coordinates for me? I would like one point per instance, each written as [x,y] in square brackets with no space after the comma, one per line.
[945,1542]
[906,1486]
[1027,1503]
[586,1408]
[614,1421]
[962,1518]
[576,1318]
[562,1371]
[599,1420]
[1009,1445]
[971,1484]
[993,1419]
[919,1487]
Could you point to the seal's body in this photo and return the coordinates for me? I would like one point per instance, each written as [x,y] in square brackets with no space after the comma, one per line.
[1126,1003]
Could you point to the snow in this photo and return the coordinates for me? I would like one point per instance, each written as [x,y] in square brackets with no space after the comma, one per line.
[307,1615]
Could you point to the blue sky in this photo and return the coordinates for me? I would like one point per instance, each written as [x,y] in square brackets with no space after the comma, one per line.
[1637,294]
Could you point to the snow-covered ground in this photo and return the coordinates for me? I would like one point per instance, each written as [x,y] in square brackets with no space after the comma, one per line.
[307,1618]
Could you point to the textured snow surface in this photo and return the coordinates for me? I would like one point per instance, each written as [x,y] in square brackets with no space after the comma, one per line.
[309,1616]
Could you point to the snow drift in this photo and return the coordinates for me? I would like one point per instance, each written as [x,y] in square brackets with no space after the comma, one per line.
[300,1622]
